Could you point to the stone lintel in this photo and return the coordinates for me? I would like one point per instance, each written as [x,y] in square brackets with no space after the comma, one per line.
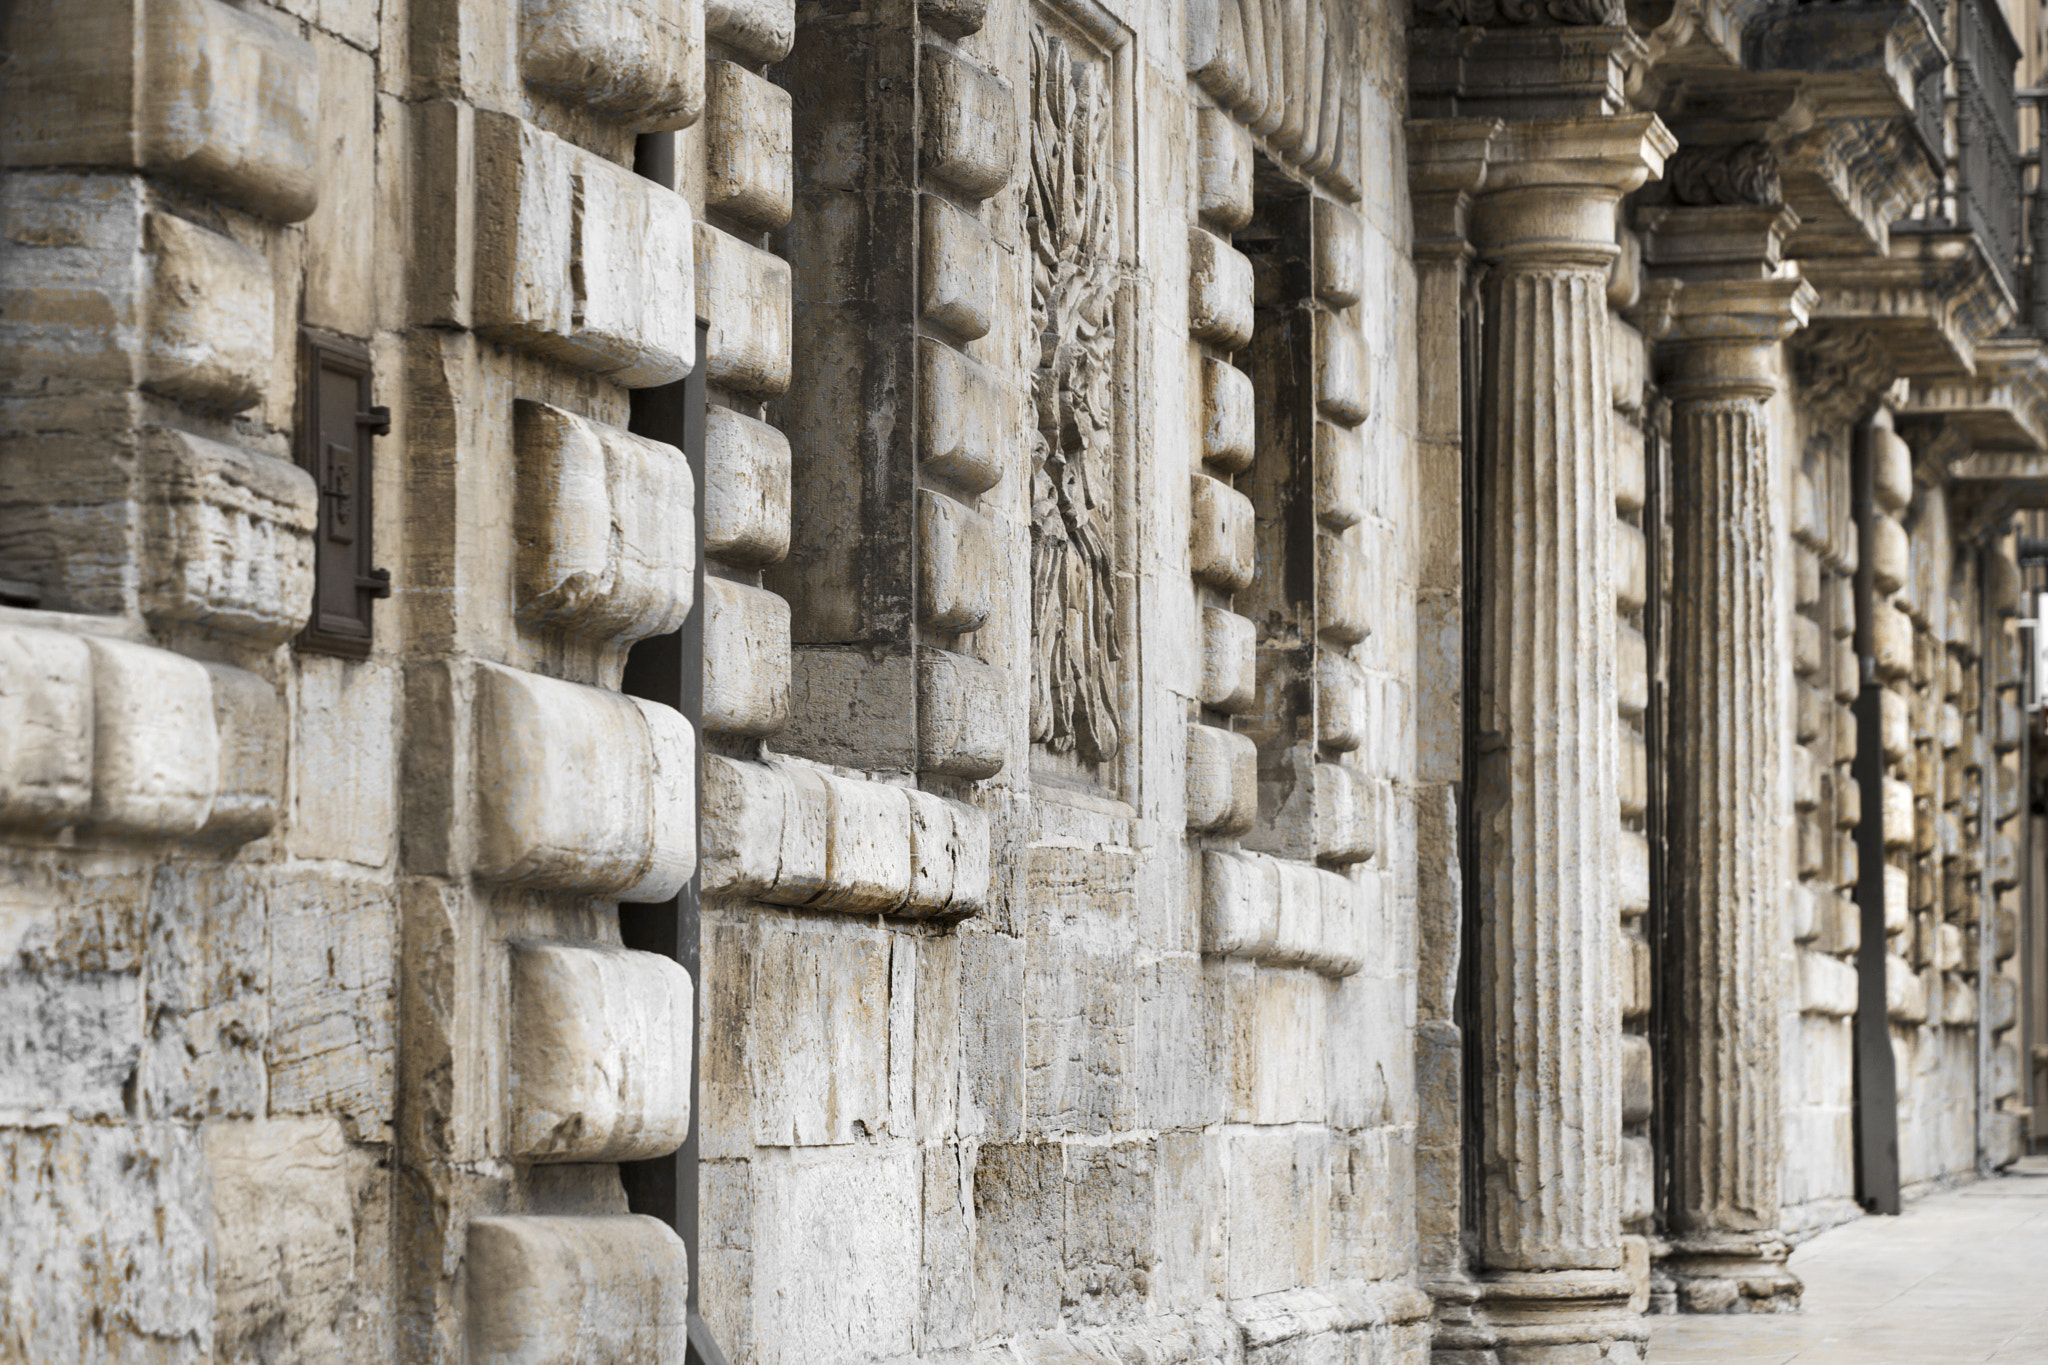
[1851,178]
[1515,72]
[1930,300]
[1716,337]
[1553,183]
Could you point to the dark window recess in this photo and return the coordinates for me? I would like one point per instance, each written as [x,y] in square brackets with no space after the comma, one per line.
[336,428]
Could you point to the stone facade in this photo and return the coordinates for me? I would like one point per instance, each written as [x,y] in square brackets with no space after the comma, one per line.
[1259,682]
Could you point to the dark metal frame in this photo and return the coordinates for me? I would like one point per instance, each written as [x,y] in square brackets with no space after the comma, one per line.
[320,354]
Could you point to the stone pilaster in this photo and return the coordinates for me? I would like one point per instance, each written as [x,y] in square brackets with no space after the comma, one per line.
[1545,788]
[1728,796]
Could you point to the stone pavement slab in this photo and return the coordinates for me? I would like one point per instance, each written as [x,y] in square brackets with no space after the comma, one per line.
[1960,1276]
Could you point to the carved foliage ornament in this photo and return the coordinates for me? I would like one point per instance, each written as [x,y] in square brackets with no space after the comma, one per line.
[1745,173]
[1070,213]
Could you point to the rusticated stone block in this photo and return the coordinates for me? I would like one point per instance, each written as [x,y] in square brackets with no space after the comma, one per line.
[1222,780]
[223,99]
[1632,671]
[1890,554]
[1340,475]
[1282,913]
[46,729]
[1340,702]
[547,1290]
[1827,985]
[1632,765]
[1632,872]
[580,260]
[1638,1079]
[599,1053]
[1339,238]
[970,123]
[954,18]
[1894,726]
[960,563]
[639,61]
[961,709]
[229,543]
[581,789]
[156,747]
[1631,568]
[210,314]
[249,717]
[961,414]
[957,269]
[1228,438]
[1220,530]
[1805,778]
[1631,468]
[748,157]
[1346,815]
[1638,1180]
[1223,170]
[746,659]
[1809,652]
[1230,675]
[1343,371]
[596,518]
[1898,813]
[793,835]
[1344,596]
[745,293]
[746,489]
[1891,469]
[763,29]
[1219,291]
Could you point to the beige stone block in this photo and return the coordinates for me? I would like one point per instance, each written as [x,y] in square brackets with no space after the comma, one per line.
[1278,1201]
[1905,997]
[1339,238]
[1632,671]
[1628,367]
[864,1205]
[544,1289]
[596,517]
[287,1237]
[344,762]
[963,418]
[818,1033]
[46,729]
[1827,986]
[1219,291]
[1806,580]
[1340,476]
[2001,1003]
[1631,468]
[1632,764]
[1809,647]
[1632,872]
[581,789]
[1635,975]
[1638,1181]
[867,847]
[1848,679]
[957,270]
[1343,371]
[1220,530]
[746,489]
[747,659]
[1229,661]
[1340,702]
[1948,947]
[1949,727]
[1891,633]
[1223,170]
[2005,1069]
[1222,780]
[1346,814]
[224,99]
[229,538]
[342,274]
[1898,891]
[640,62]
[962,708]
[1891,469]
[1806,522]
[744,292]
[578,259]
[1898,813]
[763,29]
[210,313]
[1297,916]
[960,563]
[949,856]
[970,123]
[748,153]
[1806,779]
[249,717]
[1890,552]
[1631,568]
[1228,438]
[1812,713]
[1638,1078]
[1344,597]
[745,814]
[1895,725]
[1240,904]
[598,1060]
[156,745]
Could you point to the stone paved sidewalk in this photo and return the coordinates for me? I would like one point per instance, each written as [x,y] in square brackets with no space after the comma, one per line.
[1961,1276]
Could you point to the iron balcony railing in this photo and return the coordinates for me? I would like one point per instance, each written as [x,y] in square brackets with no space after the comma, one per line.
[1988,171]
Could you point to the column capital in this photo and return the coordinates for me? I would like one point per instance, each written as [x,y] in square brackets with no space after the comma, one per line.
[1447,161]
[1716,338]
[1552,186]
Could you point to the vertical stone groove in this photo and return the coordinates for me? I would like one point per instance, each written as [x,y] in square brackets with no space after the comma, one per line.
[1547,783]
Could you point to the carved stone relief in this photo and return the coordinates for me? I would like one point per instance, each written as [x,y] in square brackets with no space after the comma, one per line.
[1070,209]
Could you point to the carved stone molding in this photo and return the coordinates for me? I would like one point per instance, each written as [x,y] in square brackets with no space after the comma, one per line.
[2002,407]
[1288,72]
[1838,372]
[1930,300]
[1744,173]
[1071,216]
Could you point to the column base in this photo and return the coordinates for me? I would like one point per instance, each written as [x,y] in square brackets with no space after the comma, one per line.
[1564,1317]
[1733,1274]
[1462,1335]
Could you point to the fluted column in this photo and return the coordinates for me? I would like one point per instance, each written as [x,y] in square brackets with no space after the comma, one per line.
[1727,789]
[1546,785]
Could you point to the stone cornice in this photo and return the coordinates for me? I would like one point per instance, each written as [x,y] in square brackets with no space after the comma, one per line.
[1851,179]
[1930,300]
[1532,72]
[2003,407]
